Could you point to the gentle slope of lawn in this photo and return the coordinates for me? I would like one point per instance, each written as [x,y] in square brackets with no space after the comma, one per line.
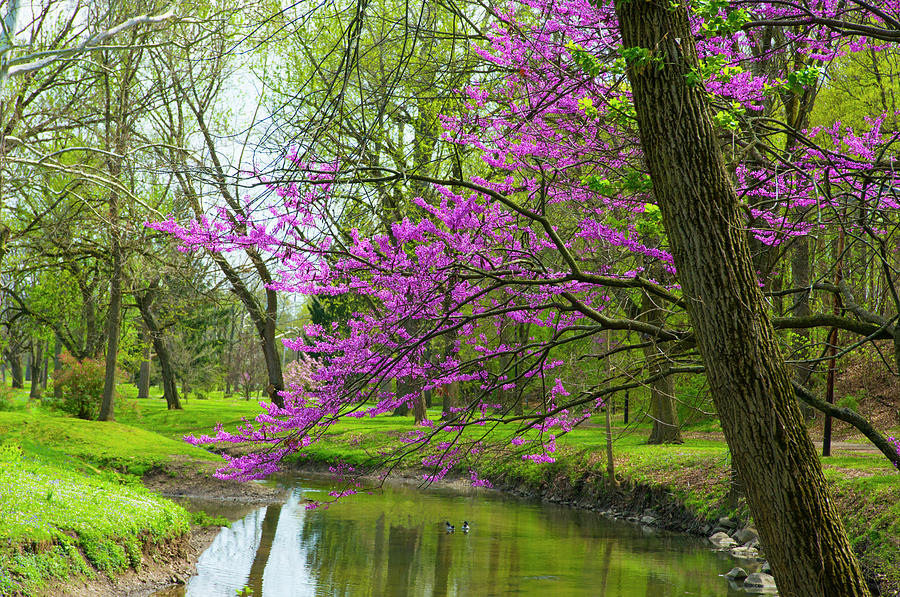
[112,444]
[60,519]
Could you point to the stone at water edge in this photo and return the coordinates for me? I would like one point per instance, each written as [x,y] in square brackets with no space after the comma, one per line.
[737,573]
[648,520]
[746,553]
[727,523]
[722,541]
[760,582]
[745,536]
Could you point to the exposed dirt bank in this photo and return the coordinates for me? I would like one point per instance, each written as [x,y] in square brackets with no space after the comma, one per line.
[164,565]
[172,563]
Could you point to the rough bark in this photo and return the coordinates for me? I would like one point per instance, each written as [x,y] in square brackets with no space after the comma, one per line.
[36,371]
[144,371]
[799,528]
[144,301]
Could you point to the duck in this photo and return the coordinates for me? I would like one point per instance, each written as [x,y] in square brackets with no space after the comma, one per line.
[465,526]
[450,527]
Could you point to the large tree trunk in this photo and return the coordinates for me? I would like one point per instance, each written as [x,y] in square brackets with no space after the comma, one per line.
[170,389]
[15,369]
[144,371]
[37,364]
[799,528]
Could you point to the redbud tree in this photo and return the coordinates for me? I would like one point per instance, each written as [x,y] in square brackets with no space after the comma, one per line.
[615,171]
[557,232]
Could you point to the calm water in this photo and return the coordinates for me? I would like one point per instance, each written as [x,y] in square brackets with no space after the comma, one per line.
[394,543]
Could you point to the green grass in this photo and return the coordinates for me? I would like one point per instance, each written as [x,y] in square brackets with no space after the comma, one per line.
[59,520]
[147,435]
[71,504]
[197,417]
[113,444]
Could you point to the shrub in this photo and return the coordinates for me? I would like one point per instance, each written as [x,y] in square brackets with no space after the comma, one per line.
[78,387]
[849,401]
[7,400]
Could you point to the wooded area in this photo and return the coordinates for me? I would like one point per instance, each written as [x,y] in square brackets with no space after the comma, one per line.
[523,212]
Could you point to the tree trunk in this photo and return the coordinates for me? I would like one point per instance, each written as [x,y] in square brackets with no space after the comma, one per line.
[662,408]
[36,371]
[170,389]
[116,142]
[662,391]
[144,371]
[270,350]
[113,315]
[451,399]
[419,410]
[112,322]
[15,370]
[800,530]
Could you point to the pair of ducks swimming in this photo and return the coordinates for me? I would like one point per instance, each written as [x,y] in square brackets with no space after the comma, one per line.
[451,528]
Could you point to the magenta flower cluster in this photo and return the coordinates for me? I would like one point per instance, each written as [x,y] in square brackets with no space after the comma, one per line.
[566,213]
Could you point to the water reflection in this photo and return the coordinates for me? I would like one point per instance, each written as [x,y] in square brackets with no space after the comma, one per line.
[394,544]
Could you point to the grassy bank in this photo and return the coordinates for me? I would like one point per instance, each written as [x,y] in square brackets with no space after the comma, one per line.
[689,482]
[62,519]
[72,505]
[686,482]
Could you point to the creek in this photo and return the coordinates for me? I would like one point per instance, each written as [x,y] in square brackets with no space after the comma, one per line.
[394,542]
